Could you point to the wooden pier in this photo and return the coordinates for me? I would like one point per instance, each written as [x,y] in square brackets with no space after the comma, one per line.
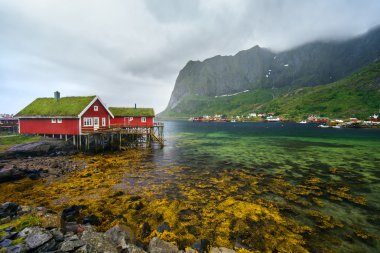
[118,138]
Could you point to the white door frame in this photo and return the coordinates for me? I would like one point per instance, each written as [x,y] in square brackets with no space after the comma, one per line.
[96,123]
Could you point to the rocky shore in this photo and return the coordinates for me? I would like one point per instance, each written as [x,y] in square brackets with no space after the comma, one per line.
[37,229]
[48,157]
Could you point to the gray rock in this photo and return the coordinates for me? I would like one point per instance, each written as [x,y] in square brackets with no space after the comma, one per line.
[71,245]
[87,249]
[69,227]
[57,234]
[10,235]
[222,250]
[156,245]
[5,220]
[134,249]
[201,246]
[20,248]
[120,235]
[191,251]
[8,209]
[163,227]
[98,242]
[47,247]
[71,238]
[36,236]
[25,210]
[5,243]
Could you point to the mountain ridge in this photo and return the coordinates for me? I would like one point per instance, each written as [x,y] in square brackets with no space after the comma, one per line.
[311,64]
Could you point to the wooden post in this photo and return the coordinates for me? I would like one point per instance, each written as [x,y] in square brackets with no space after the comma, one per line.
[120,141]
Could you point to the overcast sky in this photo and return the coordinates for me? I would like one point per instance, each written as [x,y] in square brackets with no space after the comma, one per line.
[131,51]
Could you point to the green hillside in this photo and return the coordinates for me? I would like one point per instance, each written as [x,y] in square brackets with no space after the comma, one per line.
[357,95]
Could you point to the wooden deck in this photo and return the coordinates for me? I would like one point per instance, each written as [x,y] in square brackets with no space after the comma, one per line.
[121,137]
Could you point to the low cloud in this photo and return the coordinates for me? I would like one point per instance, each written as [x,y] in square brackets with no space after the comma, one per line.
[131,51]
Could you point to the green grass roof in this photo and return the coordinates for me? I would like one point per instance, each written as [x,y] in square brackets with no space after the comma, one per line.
[66,106]
[133,112]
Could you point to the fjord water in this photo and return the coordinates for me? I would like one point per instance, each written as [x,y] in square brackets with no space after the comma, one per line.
[344,164]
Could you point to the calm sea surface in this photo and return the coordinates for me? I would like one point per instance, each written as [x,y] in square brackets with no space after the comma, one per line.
[344,165]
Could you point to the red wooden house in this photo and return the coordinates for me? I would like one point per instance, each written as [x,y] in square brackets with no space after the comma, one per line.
[8,123]
[132,117]
[66,116]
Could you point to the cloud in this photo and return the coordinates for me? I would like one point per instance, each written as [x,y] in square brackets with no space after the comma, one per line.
[131,51]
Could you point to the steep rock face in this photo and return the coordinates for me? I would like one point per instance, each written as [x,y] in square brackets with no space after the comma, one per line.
[308,65]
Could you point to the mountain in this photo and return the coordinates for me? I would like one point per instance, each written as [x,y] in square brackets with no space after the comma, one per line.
[253,78]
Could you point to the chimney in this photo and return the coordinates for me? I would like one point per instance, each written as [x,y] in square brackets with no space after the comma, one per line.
[135,106]
[57,95]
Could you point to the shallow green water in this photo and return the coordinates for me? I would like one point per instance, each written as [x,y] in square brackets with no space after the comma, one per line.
[339,157]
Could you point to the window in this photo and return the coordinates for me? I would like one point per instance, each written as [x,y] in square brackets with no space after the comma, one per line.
[87,121]
[130,118]
[96,108]
[103,121]
[143,119]
[53,121]
[59,121]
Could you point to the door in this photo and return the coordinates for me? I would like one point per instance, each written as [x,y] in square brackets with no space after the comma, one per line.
[96,123]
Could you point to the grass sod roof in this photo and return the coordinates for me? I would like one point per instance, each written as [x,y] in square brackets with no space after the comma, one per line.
[65,106]
[131,112]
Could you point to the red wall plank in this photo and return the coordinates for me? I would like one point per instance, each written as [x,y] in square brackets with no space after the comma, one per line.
[44,126]
[124,121]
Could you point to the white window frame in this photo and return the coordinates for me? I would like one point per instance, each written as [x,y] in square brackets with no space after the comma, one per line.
[96,108]
[130,118]
[143,119]
[59,121]
[87,122]
[53,121]
[103,121]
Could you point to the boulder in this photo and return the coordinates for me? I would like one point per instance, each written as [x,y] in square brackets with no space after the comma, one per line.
[156,245]
[11,173]
[71,245]
[98,242]
[201,245]
[36,236]
[222,250]
[19,248]
[47,247]
[120,235]
[43,147]
[57,234]
[87,249]
[8,209]
[5,243]
[9,235]
[131,248]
